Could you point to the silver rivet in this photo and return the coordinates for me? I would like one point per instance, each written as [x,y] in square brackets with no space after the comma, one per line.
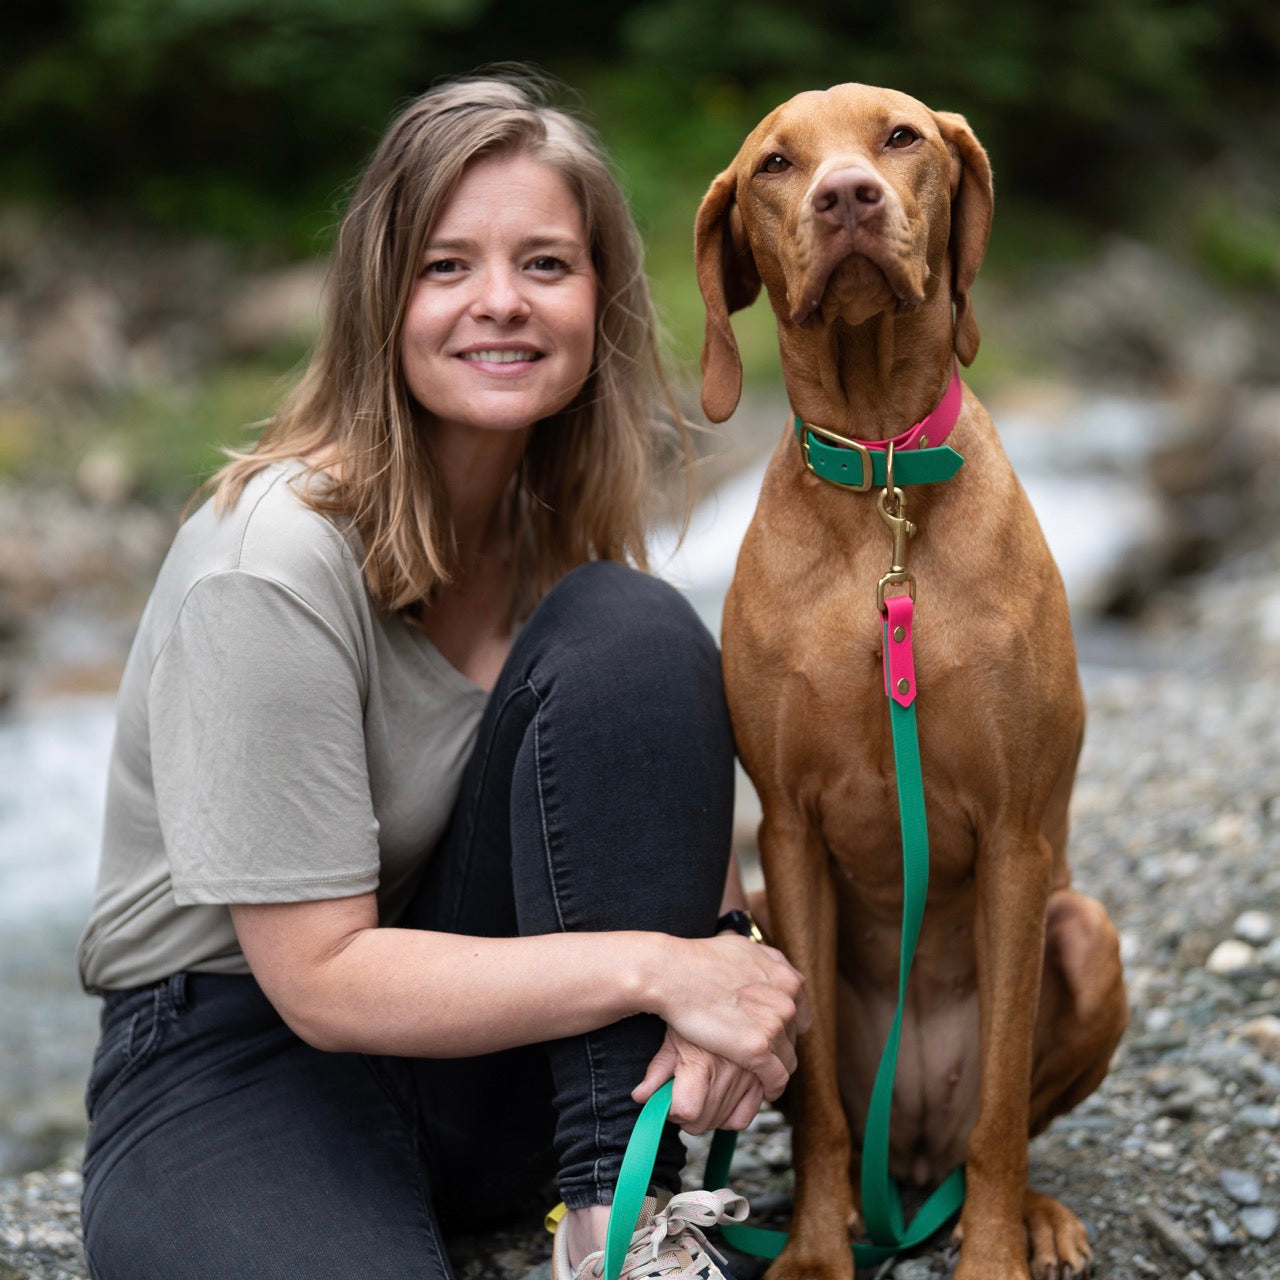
[899,634]
[924,442]
[904,685]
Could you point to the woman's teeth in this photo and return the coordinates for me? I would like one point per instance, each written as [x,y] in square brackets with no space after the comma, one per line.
[500,357]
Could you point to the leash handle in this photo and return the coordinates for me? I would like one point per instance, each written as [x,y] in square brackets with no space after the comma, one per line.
[633,1179]
[758,1242]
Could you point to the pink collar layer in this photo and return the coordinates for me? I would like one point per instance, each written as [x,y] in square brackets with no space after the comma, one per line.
[933,429]
[930,431]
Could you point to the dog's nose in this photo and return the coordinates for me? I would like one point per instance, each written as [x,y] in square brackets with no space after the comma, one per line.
[848,196]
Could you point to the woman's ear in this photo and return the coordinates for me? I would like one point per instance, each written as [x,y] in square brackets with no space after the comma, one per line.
[729,281]
[972,201]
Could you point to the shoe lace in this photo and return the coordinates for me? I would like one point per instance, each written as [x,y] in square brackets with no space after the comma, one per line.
[671,1245]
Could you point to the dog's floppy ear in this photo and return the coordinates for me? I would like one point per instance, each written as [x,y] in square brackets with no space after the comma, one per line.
[729,281]
[972,200]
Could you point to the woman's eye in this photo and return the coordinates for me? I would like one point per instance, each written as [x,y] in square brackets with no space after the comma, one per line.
[441,267]
[903,137]
[775,164]
[546,262]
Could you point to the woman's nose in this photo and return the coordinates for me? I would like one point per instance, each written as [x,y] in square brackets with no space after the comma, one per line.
[500,296]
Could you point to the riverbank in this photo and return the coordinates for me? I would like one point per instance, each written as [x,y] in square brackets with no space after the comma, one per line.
[1175,1162]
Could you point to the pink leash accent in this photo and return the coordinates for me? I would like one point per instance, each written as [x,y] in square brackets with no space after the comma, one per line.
[899,660]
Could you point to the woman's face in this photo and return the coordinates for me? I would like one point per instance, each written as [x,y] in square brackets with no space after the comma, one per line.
[500,328]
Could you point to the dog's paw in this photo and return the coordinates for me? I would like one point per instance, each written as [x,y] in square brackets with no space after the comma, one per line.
[1056,1247]
[1059,1243]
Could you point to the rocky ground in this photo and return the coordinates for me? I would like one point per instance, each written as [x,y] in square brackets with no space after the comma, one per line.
[1175,1162]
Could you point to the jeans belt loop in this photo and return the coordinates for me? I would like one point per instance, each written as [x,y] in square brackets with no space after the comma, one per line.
[177,991]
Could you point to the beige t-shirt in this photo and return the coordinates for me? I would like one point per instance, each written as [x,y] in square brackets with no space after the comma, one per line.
[278,739]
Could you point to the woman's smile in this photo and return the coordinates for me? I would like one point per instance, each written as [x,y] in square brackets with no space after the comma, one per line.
[513,360]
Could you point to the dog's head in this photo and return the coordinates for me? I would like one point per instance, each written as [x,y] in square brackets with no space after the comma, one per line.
[844,204]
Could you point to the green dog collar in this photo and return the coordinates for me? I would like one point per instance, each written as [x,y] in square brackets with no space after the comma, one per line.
[853,465]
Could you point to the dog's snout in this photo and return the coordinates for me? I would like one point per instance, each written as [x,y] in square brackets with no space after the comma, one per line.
[847,196]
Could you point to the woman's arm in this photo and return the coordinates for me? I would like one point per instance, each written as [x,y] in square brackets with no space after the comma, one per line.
[345,984]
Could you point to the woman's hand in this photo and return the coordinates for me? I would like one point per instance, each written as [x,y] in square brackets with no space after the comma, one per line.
[710,1092]
[735,1000]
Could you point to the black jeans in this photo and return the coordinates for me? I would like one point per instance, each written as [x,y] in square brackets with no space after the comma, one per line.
[599,797]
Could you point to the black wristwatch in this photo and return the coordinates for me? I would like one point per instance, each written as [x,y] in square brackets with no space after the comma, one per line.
[742,922]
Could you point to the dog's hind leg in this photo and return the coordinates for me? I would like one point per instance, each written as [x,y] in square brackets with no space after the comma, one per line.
[1082,1014]
[1083,1008]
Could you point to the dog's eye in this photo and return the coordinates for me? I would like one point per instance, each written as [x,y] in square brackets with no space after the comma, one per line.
[902,137]
[775,164]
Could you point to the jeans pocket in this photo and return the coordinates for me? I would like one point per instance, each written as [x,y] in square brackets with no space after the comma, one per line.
[132,1027]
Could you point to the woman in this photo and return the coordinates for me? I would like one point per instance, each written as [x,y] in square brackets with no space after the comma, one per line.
[418,814]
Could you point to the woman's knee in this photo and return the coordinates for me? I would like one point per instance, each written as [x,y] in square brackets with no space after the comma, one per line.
[613,604]
[626,633]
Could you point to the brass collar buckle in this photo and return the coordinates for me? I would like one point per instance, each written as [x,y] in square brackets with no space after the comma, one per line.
[830,437]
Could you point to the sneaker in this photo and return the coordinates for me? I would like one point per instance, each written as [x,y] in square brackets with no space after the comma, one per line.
[668,1240]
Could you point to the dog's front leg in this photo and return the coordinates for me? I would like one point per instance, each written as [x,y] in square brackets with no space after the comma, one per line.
[1013,887]
[802,909]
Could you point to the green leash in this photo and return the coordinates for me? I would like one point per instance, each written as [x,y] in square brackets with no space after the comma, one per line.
[882,1213]
[851,466]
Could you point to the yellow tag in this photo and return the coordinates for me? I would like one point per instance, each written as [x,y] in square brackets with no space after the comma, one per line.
[552,1220]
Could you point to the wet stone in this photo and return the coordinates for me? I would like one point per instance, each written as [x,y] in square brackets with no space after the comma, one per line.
[1260,1222]
[1255,927]
[1230,957]
[1221,1233]
[1264,1033]
[1243,1187]
[1260,1117]
[913,1269]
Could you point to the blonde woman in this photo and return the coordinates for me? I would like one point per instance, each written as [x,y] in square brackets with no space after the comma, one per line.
[417,834]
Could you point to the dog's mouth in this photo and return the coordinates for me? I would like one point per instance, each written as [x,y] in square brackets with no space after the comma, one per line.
[860,272]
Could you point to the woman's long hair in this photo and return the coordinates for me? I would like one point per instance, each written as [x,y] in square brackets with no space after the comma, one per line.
[586,482]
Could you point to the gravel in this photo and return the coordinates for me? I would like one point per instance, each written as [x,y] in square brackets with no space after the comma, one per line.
[1174,1163]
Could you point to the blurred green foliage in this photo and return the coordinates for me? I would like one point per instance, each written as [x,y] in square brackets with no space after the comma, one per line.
[247,117]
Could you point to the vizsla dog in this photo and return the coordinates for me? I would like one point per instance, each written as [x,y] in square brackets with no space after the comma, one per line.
[865,216]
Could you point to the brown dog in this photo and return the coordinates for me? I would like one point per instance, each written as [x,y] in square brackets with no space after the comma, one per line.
[865,216]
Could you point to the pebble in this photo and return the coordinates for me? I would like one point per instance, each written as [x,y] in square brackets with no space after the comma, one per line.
[1260,1117]
[1220,1233]
[1243,1187]
[1173,1236]
[1261,1223]
[1231,956]
[913,1269]
[1264,1033]
[1255,927]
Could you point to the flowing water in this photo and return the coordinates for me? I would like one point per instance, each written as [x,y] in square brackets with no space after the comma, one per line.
[52,768]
